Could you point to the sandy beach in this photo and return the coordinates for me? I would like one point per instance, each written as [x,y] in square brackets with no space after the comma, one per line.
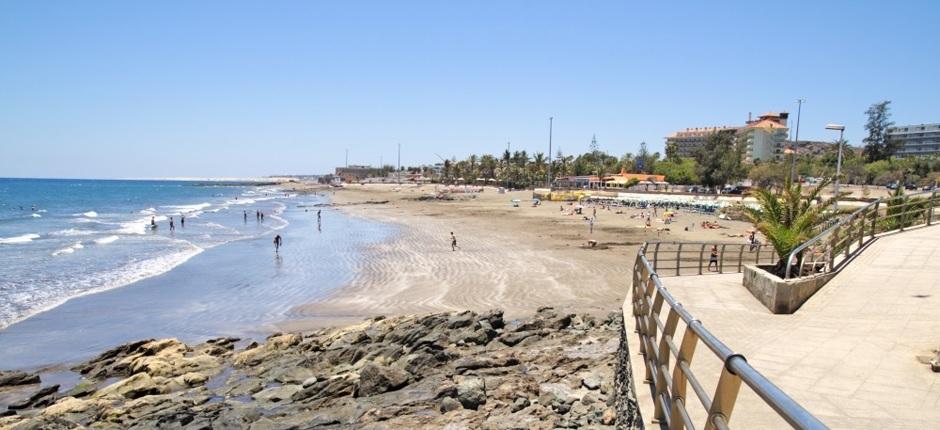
[514,258]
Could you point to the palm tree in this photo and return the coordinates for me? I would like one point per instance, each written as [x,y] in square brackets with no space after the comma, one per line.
[787,217]
[538,167]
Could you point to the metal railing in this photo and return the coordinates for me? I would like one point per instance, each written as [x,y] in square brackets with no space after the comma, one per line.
[848,235]
[659,348]
[694,258]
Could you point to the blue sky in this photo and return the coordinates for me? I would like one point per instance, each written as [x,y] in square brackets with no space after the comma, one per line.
[157,89]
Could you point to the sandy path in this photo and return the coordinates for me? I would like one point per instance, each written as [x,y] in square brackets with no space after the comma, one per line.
[517,259]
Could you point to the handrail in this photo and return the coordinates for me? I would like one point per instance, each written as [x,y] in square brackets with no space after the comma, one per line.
[657,346]
[860,214]
[732,256]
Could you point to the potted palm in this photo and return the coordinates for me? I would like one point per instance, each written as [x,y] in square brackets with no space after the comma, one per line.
[787,217]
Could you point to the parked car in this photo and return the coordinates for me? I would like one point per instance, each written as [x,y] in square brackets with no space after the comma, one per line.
[892,186]
[910,186]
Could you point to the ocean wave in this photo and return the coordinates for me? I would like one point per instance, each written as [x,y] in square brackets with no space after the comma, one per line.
[139,226]
[241,202]
[69,249]
[106,240]
[71,232]
[99,282]
[26,238]
[148,211]
[89,214]
[36,216]
[188,208]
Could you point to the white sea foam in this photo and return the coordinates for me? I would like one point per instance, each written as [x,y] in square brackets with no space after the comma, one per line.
[139,226]
[241,202]
[188,208]
[26,238]
[69,249]
[37,216]
[90,214]
[149,211]
[71,232]
[103,281]
[42,210]
[106,240]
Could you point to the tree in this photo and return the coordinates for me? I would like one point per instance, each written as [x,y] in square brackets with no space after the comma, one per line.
[672,151]
[682,171]
[720,159]
[787,218]
[877,145]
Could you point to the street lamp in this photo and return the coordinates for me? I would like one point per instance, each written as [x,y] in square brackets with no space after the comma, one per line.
[841,128]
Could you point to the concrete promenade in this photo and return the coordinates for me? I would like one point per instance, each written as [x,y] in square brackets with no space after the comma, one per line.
[849,355]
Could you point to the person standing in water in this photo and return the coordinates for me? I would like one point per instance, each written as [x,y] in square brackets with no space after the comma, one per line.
[153,223]
[172,227]
[318,215]
[262,216]
[245,214]
[277,243]
[182,221]
[453,242]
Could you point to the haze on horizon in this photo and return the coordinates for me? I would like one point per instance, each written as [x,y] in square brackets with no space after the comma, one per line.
[114,89]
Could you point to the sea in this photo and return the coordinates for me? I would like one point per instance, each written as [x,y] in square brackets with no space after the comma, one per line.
[81,269]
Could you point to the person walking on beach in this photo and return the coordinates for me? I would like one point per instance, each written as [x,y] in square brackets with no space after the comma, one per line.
[262,216]
[277,243]
[591,223]
[257,215]
[453,242]
[713,258]
[172,227]
[318,216]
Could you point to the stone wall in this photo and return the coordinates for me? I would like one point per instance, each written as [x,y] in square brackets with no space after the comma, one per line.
[628,411]
[781,296]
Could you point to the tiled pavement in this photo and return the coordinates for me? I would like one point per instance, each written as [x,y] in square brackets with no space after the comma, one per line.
[849,355]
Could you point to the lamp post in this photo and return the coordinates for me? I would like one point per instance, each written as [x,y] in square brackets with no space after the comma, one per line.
[841,128]
[796,143]
[550,152]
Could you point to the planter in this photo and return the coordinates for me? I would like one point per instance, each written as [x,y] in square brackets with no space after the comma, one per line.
[779,295]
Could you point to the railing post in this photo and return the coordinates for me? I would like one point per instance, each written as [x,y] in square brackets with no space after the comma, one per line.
[861,230]
[874,220]
[701,256]
[679,259]
[930,202]
[903,214]
[725,396]
[664,354]
[832,247]
[721,259]
[656,257]
[740,258]
[679,379]
[757,259]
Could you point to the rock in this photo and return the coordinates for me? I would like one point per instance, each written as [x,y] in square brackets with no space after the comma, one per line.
[375,379]
[511,339]
[556,393]
[134,387]
[309,381]
[277,394]
[449,404]
[591,382]
[44,397]
[461,320]
[519,404]
[494,318]
[609,417]
[471,393]
[11,378]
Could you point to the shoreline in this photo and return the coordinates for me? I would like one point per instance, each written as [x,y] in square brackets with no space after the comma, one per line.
[513,258]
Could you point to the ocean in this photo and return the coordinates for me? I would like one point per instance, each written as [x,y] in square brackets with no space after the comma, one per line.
[81,271]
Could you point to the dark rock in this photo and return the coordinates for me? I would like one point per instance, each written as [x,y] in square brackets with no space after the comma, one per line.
[591,382]
[511,339]
[44,397]
[494,318]
[463,319]
[11,378]
[519,404]
[375,379]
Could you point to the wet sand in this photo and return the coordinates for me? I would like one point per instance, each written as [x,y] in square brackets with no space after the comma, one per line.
[516,259]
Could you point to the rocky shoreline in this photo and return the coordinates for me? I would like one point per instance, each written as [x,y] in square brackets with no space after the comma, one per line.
[441,370]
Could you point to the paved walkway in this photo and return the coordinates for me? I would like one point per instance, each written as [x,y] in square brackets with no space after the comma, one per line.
[849,355]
